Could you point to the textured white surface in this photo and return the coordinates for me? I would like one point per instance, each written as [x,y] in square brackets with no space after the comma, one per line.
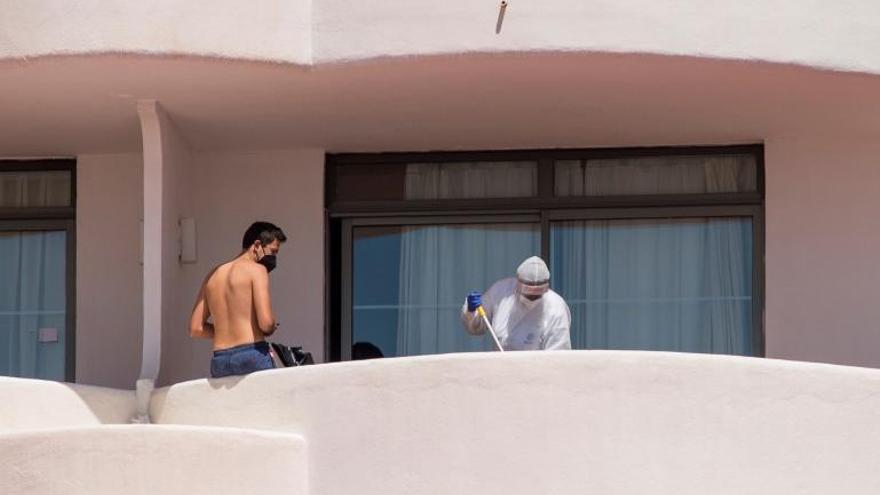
[278,30]
[534,422]
[151,459]
[35,404]
[840,35]
[822,240]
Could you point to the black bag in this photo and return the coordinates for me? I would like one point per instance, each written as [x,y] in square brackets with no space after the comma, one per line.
[292,356]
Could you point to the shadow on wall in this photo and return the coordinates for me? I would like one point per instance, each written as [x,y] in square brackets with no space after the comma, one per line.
[106,404]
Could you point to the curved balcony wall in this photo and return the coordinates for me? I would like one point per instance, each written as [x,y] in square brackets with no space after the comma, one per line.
[560,422]
[831,35]
[151,459]
[548,422]
[38,404]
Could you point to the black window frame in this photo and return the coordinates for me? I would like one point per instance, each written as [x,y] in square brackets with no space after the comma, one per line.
[61,218]
[343,216]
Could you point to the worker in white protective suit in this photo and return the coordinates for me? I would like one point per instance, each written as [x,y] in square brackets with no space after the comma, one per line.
[525,314]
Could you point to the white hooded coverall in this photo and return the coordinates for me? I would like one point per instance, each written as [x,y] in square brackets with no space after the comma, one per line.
[520,324]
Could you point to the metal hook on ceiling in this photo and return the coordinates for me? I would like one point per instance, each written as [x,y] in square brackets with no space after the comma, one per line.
[501,11]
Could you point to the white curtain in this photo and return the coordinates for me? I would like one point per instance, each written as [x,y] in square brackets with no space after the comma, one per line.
[440,264]
[656,175]
[32,297]
[659,284]
[34,189]
[463,180]
[669,284]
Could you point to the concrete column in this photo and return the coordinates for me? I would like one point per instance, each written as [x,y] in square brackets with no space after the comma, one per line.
[148,112]
[168,187]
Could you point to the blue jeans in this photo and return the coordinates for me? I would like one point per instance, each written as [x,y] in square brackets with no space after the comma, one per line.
[241,360]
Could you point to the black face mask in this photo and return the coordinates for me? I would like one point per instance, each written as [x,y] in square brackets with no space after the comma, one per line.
[269,261]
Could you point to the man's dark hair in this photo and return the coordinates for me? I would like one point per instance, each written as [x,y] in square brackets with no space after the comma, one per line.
[264,232]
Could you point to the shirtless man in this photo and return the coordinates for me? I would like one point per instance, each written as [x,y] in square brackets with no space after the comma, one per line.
[235,297]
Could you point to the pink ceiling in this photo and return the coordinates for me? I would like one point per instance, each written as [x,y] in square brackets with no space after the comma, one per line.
[75,105]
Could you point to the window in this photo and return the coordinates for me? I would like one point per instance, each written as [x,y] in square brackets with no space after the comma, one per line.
[35,189]
[37,269]
[652,248]
[647,175]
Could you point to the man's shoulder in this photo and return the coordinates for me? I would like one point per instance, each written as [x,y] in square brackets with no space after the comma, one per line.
[250,269]
[235,270]
[215,272]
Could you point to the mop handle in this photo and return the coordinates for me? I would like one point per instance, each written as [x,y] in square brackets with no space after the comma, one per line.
[482,313]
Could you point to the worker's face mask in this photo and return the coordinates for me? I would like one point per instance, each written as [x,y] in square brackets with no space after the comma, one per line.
[530,295]
[528,303]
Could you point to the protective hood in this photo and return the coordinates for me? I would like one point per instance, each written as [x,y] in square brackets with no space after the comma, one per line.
[533,277]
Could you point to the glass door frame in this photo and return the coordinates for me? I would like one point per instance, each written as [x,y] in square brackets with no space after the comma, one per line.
[69,227]
[347,265]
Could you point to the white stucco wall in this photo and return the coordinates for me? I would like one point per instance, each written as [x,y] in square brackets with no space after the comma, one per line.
[261,30]
[179,192]
[559,422]
[151,459]
[528,422]
[823,236]
[822,34]
[27,405]
[108,270]
[839,35]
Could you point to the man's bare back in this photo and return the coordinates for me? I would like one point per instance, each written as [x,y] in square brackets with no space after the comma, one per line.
[233,307]
[229,292]
[235,297]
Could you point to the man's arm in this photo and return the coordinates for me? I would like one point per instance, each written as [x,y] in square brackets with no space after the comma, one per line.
[557,339]
[473,322]
[199,328]
[262,301]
